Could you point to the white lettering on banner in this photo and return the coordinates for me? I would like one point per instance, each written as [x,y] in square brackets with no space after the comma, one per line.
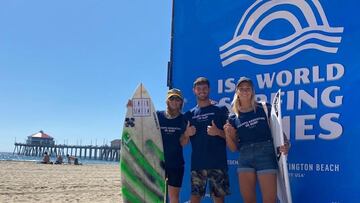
[230,84]
[310,99]
[328,167]
[300,167]
[325,97]
[300,170]
[303,94]
[226,101]
[334,128]
[301,127]
[300,76]
[231,162]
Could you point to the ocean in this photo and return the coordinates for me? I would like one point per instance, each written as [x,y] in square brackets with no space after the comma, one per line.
[8,156]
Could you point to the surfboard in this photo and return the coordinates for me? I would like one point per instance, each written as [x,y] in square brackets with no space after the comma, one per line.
[283,183]
[141,155]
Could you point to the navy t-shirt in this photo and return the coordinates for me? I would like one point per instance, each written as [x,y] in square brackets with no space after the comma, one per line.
[252,127]
[171,131]
[208,152]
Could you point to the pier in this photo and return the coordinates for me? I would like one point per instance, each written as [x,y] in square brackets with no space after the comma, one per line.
[104,153]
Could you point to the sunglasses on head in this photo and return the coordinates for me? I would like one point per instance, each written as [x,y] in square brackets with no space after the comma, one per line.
[172,98]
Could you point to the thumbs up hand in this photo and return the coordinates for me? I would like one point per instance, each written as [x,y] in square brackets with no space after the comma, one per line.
[212,129]
[190,130]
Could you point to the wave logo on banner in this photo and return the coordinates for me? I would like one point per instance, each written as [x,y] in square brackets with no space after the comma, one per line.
[311,31]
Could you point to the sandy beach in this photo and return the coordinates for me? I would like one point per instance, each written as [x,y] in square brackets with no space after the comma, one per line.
[32,182]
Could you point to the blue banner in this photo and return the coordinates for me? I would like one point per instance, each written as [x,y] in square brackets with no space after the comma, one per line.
[308,49]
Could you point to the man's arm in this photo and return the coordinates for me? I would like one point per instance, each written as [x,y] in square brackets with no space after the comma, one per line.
[213,130]
[189,131]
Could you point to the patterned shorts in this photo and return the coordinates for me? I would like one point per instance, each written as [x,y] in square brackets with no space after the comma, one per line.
[218,181]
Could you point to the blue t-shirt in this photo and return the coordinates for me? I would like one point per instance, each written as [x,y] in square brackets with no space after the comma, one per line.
[252,127]
[208,152]
[171,131]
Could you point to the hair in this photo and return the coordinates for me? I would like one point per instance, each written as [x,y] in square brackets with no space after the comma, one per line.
[174,92]
[200,81]
[236,104]
[181,106]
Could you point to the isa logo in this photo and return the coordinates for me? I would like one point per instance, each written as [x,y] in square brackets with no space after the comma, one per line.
[307,28]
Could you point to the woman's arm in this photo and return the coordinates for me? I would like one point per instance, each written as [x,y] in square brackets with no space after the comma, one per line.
[230,136]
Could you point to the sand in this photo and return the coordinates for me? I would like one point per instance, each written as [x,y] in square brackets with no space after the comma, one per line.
[32,182]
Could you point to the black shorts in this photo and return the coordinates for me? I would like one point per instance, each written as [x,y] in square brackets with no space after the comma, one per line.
[174,176]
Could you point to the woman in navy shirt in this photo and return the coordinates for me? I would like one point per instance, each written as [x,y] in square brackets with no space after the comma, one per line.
[248,131]
[172,124]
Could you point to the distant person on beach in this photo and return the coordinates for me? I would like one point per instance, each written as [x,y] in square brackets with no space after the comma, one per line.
[172,125]
[46,159]
[207,137]
[59,159]
[72,158]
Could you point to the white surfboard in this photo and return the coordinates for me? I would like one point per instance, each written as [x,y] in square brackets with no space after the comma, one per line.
[142,156]
[283,184]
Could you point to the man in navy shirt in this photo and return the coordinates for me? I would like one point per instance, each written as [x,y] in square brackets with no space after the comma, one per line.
[205,131]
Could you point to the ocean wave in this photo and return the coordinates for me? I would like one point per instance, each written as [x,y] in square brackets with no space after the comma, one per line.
[270,61]
[255,50]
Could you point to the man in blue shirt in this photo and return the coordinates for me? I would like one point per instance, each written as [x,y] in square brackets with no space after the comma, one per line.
[208,158]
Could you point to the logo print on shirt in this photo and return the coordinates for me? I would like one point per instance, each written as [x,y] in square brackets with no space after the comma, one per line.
[307,18]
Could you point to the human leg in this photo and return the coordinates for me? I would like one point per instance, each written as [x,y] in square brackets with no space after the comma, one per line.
[173,194]
[218,199]
[266,167]
[219,184]
[174,181]
[198,185]
[195,199]
[247,174]
[247,184]
[267,182]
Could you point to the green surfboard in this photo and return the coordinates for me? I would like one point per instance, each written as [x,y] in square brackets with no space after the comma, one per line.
[142,156]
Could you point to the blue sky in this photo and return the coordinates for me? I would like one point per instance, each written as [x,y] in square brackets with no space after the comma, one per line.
[69,67]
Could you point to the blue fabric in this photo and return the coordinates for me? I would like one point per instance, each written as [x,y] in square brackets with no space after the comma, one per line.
[319,110]
[171,131]
[258,157]
[252,127]
[208,152]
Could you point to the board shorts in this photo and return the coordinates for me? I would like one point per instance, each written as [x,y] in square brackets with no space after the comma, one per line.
[174,176]
[257,157]
[218,181]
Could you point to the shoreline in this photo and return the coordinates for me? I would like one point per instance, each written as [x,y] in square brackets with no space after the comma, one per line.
[28,181]
[9,156]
